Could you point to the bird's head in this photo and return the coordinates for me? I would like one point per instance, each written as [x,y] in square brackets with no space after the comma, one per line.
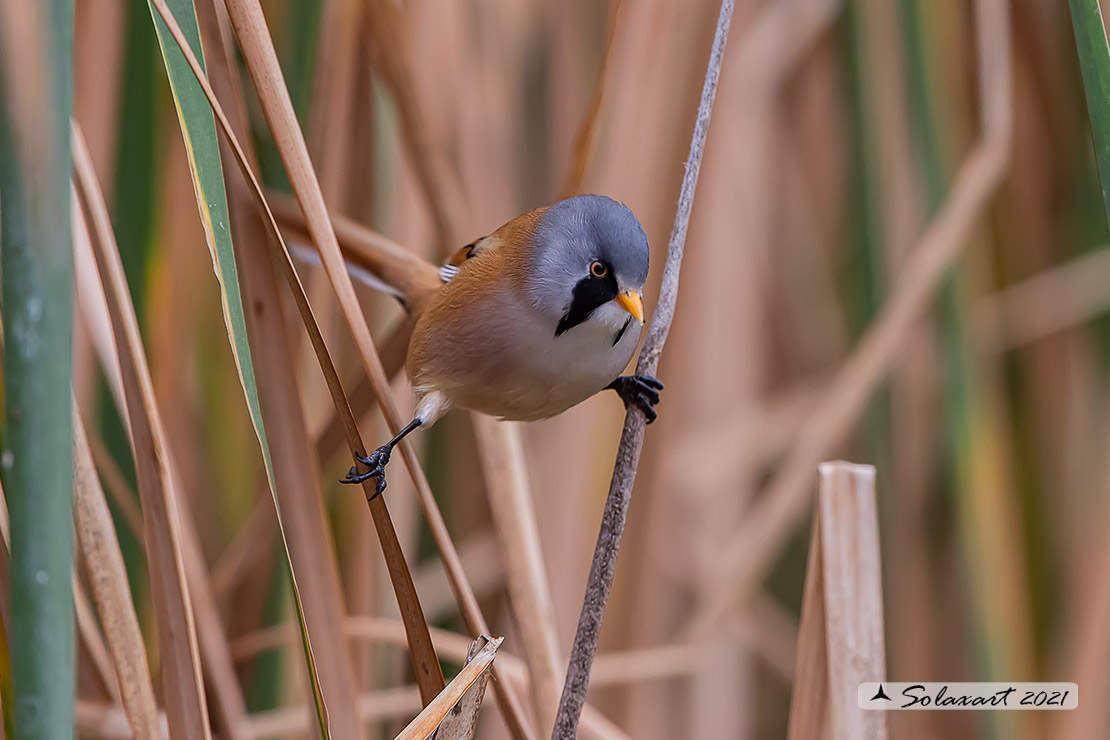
[589,261]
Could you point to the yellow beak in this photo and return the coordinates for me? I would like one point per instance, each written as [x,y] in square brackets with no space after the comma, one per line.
[633,303]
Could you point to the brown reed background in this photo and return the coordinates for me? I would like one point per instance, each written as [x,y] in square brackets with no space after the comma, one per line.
[837,135]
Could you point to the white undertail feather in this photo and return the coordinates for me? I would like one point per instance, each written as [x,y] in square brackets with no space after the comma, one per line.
[432,405]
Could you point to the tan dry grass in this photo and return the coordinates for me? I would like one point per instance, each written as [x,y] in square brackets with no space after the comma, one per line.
[108,581]
[184,694]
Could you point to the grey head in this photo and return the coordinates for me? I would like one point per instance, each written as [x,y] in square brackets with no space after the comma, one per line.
[588,250]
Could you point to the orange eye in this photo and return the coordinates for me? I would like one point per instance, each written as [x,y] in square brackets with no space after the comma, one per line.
[598,270]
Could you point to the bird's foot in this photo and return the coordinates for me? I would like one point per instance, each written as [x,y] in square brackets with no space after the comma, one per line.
[642,390]
[375,462]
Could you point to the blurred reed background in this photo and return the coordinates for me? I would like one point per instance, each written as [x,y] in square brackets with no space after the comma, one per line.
[837,136]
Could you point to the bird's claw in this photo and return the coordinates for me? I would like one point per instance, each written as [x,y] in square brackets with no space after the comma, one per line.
[375,463]
[642,390]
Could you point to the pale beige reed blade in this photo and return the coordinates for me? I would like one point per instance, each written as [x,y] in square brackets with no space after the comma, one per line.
[186,705]
[96,536]
[841,642]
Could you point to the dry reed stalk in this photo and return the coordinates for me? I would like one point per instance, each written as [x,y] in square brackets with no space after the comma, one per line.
[809,705]
[333,93]
[451,645]
[1085,649]
[885,108]
[632,439]
[253,538]
[587,129]
[818,336]
[100,721]
[96,535]
[480,555]
[118,488]
[329,136]
[342,142]
[362,186]
[231,707]
[385,24]
[427,668]
[840,643]
[329,440]
[514,525]
[610,669]
[780,37]
[462,720]
[98,53]
[765,631]
[252,34]
[429,719]
[853,595]
[753,547]
[384,705]
[251,543]
[297,484]
[472,88]
[660,709]
[657,51]
[736,197]
[296,473]
[354,239]
[92,643]
[771,632]
[254,40]
[763,58]
[755,439]
[212,642]
[1054,300]
[387,630]
[738,186]
[186,707]
[94,317]
[565,498]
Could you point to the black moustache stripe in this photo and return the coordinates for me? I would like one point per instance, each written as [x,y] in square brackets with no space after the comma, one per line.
[589,294]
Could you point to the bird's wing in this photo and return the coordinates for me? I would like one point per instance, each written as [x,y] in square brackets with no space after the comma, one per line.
[450,268]
[518,231]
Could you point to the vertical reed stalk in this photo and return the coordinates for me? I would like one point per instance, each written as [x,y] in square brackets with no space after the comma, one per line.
[36,95]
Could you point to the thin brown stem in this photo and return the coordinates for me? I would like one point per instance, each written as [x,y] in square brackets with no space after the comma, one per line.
[632,439]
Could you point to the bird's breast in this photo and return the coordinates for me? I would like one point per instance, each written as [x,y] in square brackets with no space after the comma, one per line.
[498,356]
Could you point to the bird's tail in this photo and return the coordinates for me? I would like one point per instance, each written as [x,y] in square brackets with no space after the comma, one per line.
[371,258]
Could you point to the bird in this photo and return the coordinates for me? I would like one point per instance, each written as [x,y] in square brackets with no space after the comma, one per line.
[522,324]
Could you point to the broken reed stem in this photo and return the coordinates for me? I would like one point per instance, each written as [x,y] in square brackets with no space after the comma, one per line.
[632,439]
